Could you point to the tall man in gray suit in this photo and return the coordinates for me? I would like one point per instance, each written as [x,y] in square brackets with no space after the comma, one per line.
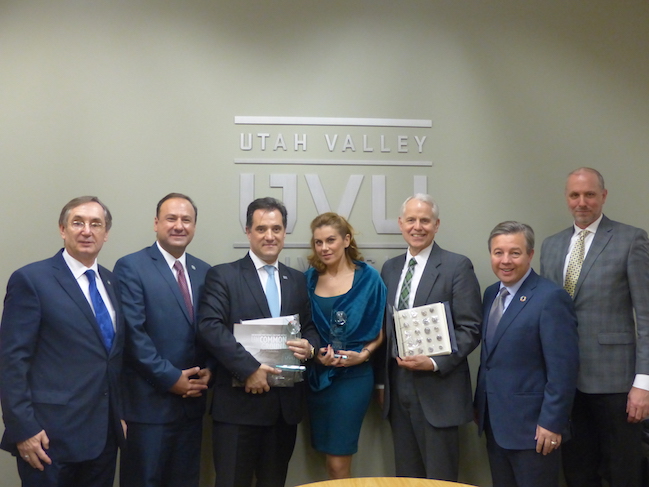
[427,399]
[165,371]
[604,265]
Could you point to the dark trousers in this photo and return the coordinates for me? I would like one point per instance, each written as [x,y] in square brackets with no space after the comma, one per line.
[420,449]
[243,451]
[98,472]
[604,444]
[521,468]
[162,455]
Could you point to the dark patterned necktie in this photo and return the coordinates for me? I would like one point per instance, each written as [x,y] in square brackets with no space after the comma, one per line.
[404,295]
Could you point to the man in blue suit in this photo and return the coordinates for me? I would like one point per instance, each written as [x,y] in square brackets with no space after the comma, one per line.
[61,342]
[164,368]
[528,364]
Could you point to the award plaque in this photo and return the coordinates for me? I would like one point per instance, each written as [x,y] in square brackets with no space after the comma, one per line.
[425,330]
[265,339]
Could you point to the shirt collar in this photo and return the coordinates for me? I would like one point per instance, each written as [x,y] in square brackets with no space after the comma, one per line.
[170,259]
[592,228]
[77,268]
[258,262]
[513,289]
[421,257]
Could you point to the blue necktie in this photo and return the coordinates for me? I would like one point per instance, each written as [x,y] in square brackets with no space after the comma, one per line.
[101,312]
[272,295]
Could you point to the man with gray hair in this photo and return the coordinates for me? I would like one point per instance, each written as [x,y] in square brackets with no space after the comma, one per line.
[427,399]
[604,265]
[528,364]
[61,343]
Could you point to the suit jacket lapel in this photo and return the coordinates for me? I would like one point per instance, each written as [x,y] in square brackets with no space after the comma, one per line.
[393,274]
[251,278]
[70,285]
[285,284]
[600,240]
[518,302]
[191,269]
[112,295]
[429,276]
[168,276]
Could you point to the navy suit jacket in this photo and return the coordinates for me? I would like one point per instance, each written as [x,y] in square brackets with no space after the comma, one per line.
[528,374]
[161,339]
[233,293]
[55,372]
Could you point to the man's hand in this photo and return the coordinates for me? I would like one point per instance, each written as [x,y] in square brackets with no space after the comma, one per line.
[184,385]
[256,382]
[204,377]
[637,405]
[546,440]
[301,348]
[33,449]
[124,427]
[380,396]
[416,362]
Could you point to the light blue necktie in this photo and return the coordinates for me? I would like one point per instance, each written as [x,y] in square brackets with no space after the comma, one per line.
[101,312]
[272,295]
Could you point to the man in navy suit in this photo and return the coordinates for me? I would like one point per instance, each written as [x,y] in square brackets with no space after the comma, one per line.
[61,341]
[528,364]
[164,365]
[255,425]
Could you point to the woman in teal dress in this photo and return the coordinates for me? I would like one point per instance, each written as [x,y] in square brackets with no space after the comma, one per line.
[347,304]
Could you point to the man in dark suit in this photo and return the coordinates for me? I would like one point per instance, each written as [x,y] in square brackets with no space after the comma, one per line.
[528,364]
[427,399]
[164,366]
[255,425]
[605,266]
[61,342]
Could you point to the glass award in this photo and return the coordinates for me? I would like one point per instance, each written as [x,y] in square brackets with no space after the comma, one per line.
[337,330]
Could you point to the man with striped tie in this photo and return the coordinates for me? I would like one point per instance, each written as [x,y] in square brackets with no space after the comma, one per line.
[426,399]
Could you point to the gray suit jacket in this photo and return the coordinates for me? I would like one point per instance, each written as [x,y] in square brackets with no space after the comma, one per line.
[614,281]
[446,394]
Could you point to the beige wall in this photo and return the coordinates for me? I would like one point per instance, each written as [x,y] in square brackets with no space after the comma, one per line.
[131,100]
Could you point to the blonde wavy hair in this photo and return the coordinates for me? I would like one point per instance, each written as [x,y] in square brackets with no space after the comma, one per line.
[342,226]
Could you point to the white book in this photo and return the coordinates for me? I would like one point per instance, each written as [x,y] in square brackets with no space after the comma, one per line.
[425,330]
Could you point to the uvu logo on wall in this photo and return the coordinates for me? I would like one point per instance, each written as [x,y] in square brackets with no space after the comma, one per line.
[344,142]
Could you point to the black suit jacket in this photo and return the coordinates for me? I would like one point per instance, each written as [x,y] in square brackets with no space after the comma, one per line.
[445,394]
[233,293]
[55,373]
[161,339]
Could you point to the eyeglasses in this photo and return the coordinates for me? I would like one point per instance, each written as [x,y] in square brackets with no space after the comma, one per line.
[80,225]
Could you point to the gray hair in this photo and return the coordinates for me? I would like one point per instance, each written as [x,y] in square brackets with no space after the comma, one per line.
[512,227]
[424,198]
